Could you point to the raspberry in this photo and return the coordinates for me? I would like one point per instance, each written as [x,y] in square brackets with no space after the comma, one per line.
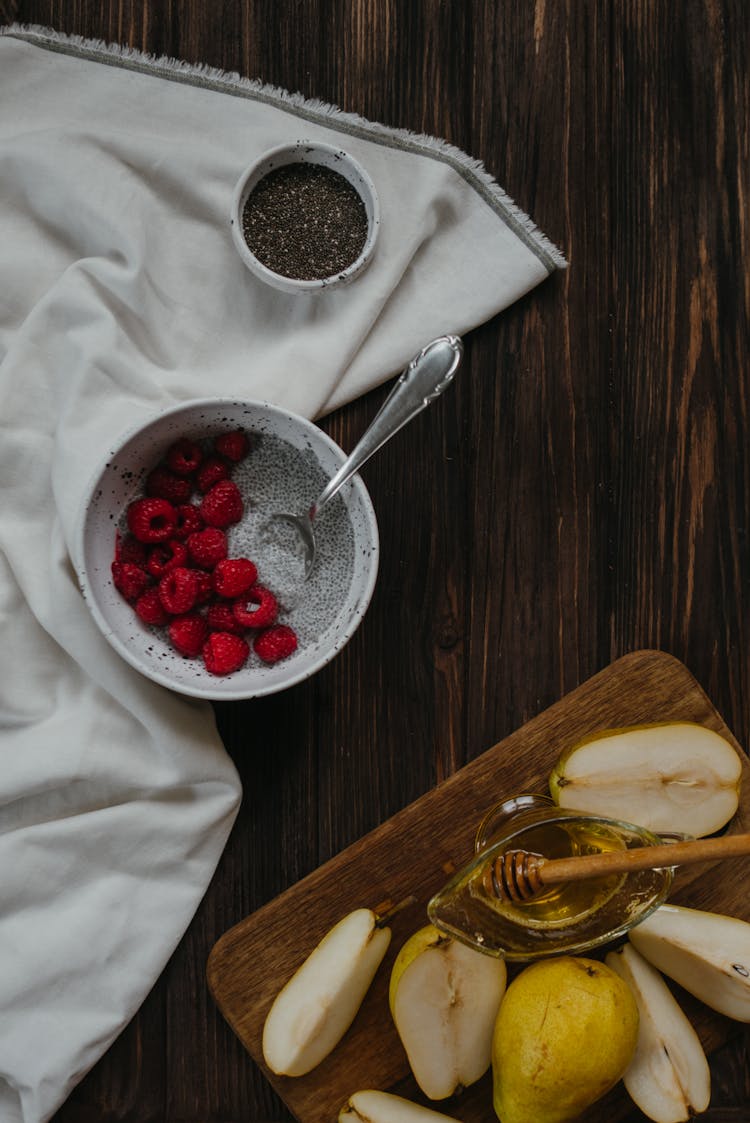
[263,615]
[188,521]
[129,549]
[166,485]
[233,576]
[224,653]
[275,643]
[151,520]
[207,547]
[204,586]
[222,506]
[222,619]
[235,446]
[184,456]
[187,634]
[165,556]
[178,590]
[149,607]
[210,472]
[129,579]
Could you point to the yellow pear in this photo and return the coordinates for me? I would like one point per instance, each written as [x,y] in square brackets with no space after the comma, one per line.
[565,1034]
[444,997]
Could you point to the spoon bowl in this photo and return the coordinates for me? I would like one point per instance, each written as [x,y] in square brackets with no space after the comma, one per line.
[287,452]
[428,374]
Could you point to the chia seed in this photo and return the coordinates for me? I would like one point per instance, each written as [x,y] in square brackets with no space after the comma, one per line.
[305,221]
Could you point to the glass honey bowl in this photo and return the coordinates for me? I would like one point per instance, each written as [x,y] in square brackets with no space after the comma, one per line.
[568,918]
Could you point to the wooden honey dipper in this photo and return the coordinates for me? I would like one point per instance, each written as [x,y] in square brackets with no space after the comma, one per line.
[520,875]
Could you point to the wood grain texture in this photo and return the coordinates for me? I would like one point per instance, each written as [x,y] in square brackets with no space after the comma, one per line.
[408,856]
[583,492]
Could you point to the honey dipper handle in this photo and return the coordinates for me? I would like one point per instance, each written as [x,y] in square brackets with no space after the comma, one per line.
[552,871]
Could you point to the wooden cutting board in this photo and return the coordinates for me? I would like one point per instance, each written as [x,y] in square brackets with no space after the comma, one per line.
[414,852]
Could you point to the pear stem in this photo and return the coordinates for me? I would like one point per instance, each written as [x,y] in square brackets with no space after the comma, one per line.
[384,917]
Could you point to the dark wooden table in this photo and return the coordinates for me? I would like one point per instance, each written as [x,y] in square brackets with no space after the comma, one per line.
[582,492]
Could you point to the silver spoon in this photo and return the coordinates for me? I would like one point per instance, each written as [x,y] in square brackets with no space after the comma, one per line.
[427,375]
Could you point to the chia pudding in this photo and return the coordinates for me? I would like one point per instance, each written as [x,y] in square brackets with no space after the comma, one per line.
[275,477]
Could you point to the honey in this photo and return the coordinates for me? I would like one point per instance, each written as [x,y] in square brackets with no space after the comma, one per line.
[559,906]
[570,917]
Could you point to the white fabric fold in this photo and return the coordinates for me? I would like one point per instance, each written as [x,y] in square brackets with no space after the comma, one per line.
[120,294]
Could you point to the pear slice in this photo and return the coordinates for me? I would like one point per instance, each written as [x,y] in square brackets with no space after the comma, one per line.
[668,1078]
[444,998]
[706,953]
[315,1008]
[383,1107]
[671,777]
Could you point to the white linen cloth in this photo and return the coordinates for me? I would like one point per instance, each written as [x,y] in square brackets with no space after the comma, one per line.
[121,294]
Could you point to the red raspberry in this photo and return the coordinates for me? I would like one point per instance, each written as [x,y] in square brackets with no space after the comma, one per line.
[204,586]
[263,614]
[178,590]
[221,619]
[129,549]
[187,634]
[224,653]
[222,506]
[184,456]
[149,607]
[167,485]
[188,521]
[207,547]
[233,576]
[151,520]
[275,643]
[210,472]
[235,446]
[129,580]
[165,556]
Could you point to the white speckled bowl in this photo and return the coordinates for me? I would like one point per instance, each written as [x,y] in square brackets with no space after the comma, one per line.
[305,152]
[291,454]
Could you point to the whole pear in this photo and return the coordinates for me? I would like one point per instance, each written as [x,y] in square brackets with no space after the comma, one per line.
[565,1033]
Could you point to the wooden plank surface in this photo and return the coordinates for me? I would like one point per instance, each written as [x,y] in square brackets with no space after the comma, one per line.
[409,855]
[584,491]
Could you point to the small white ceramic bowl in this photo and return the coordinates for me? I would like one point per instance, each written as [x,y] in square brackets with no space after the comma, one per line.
[306,152]
[289,463]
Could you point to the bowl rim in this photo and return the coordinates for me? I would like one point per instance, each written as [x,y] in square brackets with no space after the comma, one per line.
[297,151]
[205,692]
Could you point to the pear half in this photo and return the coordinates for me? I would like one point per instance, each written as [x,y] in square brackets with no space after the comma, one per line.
[706,953]
[668,1078]
[670,777]
[383,1107]
[444,998]
[315,1008]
